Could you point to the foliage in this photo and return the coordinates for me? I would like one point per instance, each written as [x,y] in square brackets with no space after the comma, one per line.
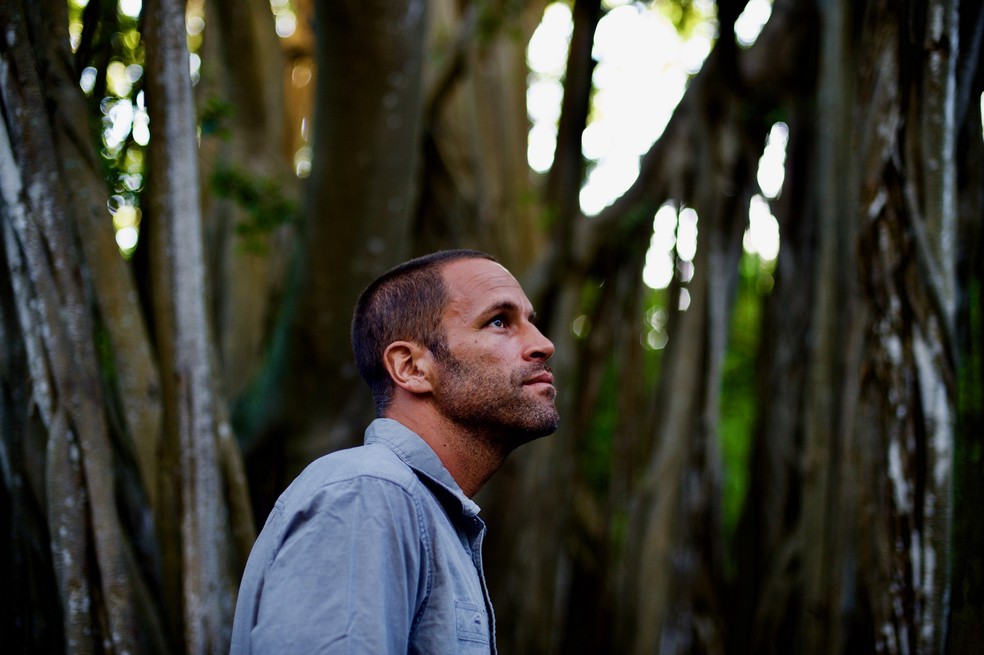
[266,205]
[968,536]
[738,400]
[686,15]
[496,17]
[262,198]
[109,59]
[595,453]
[213,118]
[971,384]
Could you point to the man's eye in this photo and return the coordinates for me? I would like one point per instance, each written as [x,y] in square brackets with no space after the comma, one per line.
[498,322]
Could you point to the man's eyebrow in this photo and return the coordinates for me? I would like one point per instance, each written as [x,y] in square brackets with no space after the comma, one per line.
[501,306]
[507,306]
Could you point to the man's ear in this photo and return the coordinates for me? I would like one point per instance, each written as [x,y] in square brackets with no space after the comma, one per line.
[408,365]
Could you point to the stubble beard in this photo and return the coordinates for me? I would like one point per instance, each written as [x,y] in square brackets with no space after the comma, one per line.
[502,412]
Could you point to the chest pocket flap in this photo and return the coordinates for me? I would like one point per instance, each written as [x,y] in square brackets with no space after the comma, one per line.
[472,623]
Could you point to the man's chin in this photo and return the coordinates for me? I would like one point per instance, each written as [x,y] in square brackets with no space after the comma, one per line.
[543,426]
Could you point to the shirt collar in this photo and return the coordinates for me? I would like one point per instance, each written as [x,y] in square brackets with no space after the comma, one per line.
[418,455]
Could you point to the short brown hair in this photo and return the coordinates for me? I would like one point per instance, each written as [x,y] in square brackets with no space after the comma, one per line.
[403,304]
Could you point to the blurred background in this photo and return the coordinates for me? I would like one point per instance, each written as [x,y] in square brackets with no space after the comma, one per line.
[753,230]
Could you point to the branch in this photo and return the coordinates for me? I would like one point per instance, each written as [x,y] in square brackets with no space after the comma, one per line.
[453,66]
[768,74]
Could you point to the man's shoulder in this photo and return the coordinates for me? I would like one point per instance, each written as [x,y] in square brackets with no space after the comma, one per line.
[360,466]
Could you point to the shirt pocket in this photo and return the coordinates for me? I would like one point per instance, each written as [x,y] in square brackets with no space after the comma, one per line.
[471,622]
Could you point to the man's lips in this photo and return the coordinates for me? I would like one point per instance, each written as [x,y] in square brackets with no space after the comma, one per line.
[542,378]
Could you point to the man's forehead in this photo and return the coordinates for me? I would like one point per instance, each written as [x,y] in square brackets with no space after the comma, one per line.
[471,281]
[473,268]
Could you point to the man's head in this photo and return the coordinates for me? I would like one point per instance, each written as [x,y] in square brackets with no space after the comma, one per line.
[467,327]
[495,381]
[404,304]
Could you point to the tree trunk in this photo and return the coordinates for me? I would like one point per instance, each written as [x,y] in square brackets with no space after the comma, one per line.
[60,452]
[965,628]
[830,389]
[200,557]
[679,579]
[907,403]
[475,186]
[357,213]
[248,186]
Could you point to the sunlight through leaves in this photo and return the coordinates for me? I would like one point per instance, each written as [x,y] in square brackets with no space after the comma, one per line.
[751,21]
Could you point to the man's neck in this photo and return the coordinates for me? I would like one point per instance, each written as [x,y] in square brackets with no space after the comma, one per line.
[471,458]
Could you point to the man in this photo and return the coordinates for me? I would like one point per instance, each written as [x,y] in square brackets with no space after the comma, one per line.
[377,549]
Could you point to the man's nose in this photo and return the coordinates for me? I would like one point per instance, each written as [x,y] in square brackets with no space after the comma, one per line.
[539,346]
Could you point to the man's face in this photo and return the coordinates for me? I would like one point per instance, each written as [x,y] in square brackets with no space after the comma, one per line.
[495,380]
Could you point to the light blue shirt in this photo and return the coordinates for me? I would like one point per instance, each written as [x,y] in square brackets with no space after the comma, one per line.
[370,550]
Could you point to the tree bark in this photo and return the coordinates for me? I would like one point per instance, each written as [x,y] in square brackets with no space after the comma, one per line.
[965,629]
[475,184]
[908,197]
[249,190]
[357,211]
[59,435]
[199,556]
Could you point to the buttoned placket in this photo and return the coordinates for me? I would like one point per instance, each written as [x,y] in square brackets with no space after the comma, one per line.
[476,535]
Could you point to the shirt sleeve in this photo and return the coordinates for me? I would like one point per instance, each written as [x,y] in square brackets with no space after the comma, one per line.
[348,575]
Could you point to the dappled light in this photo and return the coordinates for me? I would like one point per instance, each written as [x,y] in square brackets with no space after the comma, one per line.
[686,240]
[87,79]
[195,29]
[762,235]
[672,248]
[751,21]
[300,75]
[130,8]
[546,55]
[627,116]
[302,161]
[656,337]
[580,326]
[125,122]
[761,238]
[285,20]
[771,169]
[141,136]
[633,42]
[119,120]
[658,270]
[126,221]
